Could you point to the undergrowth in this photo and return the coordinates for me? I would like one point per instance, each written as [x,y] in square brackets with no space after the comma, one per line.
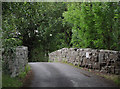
[8,81]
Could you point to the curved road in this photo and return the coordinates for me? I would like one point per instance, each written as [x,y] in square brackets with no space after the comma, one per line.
[47,74]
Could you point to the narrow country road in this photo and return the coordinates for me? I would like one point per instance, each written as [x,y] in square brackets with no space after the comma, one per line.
[47,74]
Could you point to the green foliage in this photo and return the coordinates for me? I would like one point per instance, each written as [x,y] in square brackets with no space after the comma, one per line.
[32,24]
[7,81]
[27,68]
[22,75]
[95,25]
[10,35]
[39,54]
[117,81]
[45,27]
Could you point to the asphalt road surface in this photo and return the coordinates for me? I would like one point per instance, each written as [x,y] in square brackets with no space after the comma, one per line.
[46,74]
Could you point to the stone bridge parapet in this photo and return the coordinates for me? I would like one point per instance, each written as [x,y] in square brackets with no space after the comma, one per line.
[106,61]
[15,63]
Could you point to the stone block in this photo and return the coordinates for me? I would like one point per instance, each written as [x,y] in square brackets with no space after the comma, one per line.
[90,66]
[112,69]
[117,71]
[113,56]
[101,57]
[96,65]
[88,55]
[103,64]
[103,70]
[96,59]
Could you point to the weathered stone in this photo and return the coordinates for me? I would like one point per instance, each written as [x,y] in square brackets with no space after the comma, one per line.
[88,55]
[90,66]
[17,64]
[112,69]
[101,57]
[103,70]
[117,71]
[102,64]
[96,66]
[104,60]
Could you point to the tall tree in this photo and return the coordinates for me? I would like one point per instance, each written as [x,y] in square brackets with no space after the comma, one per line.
[36,25]
[94,24]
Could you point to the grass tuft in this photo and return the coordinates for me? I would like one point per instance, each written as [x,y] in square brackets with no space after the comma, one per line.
[23,74]
[7,81]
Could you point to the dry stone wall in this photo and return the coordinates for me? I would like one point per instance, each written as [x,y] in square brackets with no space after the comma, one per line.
[106,61]
[17,64]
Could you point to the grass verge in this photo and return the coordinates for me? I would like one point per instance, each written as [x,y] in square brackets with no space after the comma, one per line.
[22,75]
[7,81]
[114,78]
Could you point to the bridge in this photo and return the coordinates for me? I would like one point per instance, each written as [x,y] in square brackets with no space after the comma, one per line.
[58,74]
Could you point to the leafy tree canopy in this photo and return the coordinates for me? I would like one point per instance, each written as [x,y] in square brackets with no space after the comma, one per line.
[45,27]
[95,25]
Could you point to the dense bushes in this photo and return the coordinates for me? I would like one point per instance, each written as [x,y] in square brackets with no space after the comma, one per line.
[95,25]
[7,81]
[35,25]
[46,27]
